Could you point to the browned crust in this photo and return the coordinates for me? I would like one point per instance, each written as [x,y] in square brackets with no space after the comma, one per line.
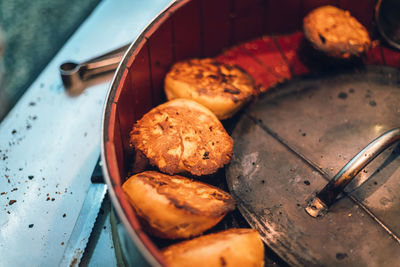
[214,78]
[213,237]
[176,207]
[221,88]
[182,135]
[335,32]
[166,186]
[203,243]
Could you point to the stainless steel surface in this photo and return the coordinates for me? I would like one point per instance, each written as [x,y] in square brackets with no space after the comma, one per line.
[126,251]
[100,249]
[292,142]
[84,224]
[335,186]
[50,142]
[388,21]
[83,227]
[78,76]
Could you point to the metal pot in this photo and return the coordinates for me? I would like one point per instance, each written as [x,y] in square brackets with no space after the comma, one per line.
[188,29]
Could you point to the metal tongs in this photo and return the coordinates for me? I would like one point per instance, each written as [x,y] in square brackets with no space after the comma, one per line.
[78,76]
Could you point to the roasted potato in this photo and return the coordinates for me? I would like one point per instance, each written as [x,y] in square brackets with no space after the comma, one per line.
[222,88]
[336,33]
[182,136]
[174,206]
[234,247]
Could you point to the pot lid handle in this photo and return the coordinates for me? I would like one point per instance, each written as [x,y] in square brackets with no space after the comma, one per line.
[319,204]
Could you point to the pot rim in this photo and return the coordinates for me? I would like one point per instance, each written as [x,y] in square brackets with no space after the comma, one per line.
[145,250]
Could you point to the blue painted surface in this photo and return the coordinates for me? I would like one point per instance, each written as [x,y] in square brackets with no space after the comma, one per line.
[50,142]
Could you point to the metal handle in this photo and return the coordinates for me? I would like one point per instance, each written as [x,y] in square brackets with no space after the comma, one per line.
[319,204]
[74,75]
[388,21]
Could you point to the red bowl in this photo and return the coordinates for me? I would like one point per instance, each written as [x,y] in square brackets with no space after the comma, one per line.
[200,28]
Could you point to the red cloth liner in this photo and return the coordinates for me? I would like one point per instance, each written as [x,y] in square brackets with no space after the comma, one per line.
[267,54]
[374,56]
[391,57]
[261,76]
[269,60]
[290,45]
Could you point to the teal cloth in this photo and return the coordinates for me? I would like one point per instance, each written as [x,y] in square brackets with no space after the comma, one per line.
[33,32]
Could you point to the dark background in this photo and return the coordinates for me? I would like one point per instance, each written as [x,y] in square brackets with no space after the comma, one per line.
[32,32]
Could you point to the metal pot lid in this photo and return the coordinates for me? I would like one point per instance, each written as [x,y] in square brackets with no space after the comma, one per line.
[293,140]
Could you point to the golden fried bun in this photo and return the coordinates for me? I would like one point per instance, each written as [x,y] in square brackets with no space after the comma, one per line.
[182,136]
[222,88]
[335,32]
[174,206]
[234,247]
